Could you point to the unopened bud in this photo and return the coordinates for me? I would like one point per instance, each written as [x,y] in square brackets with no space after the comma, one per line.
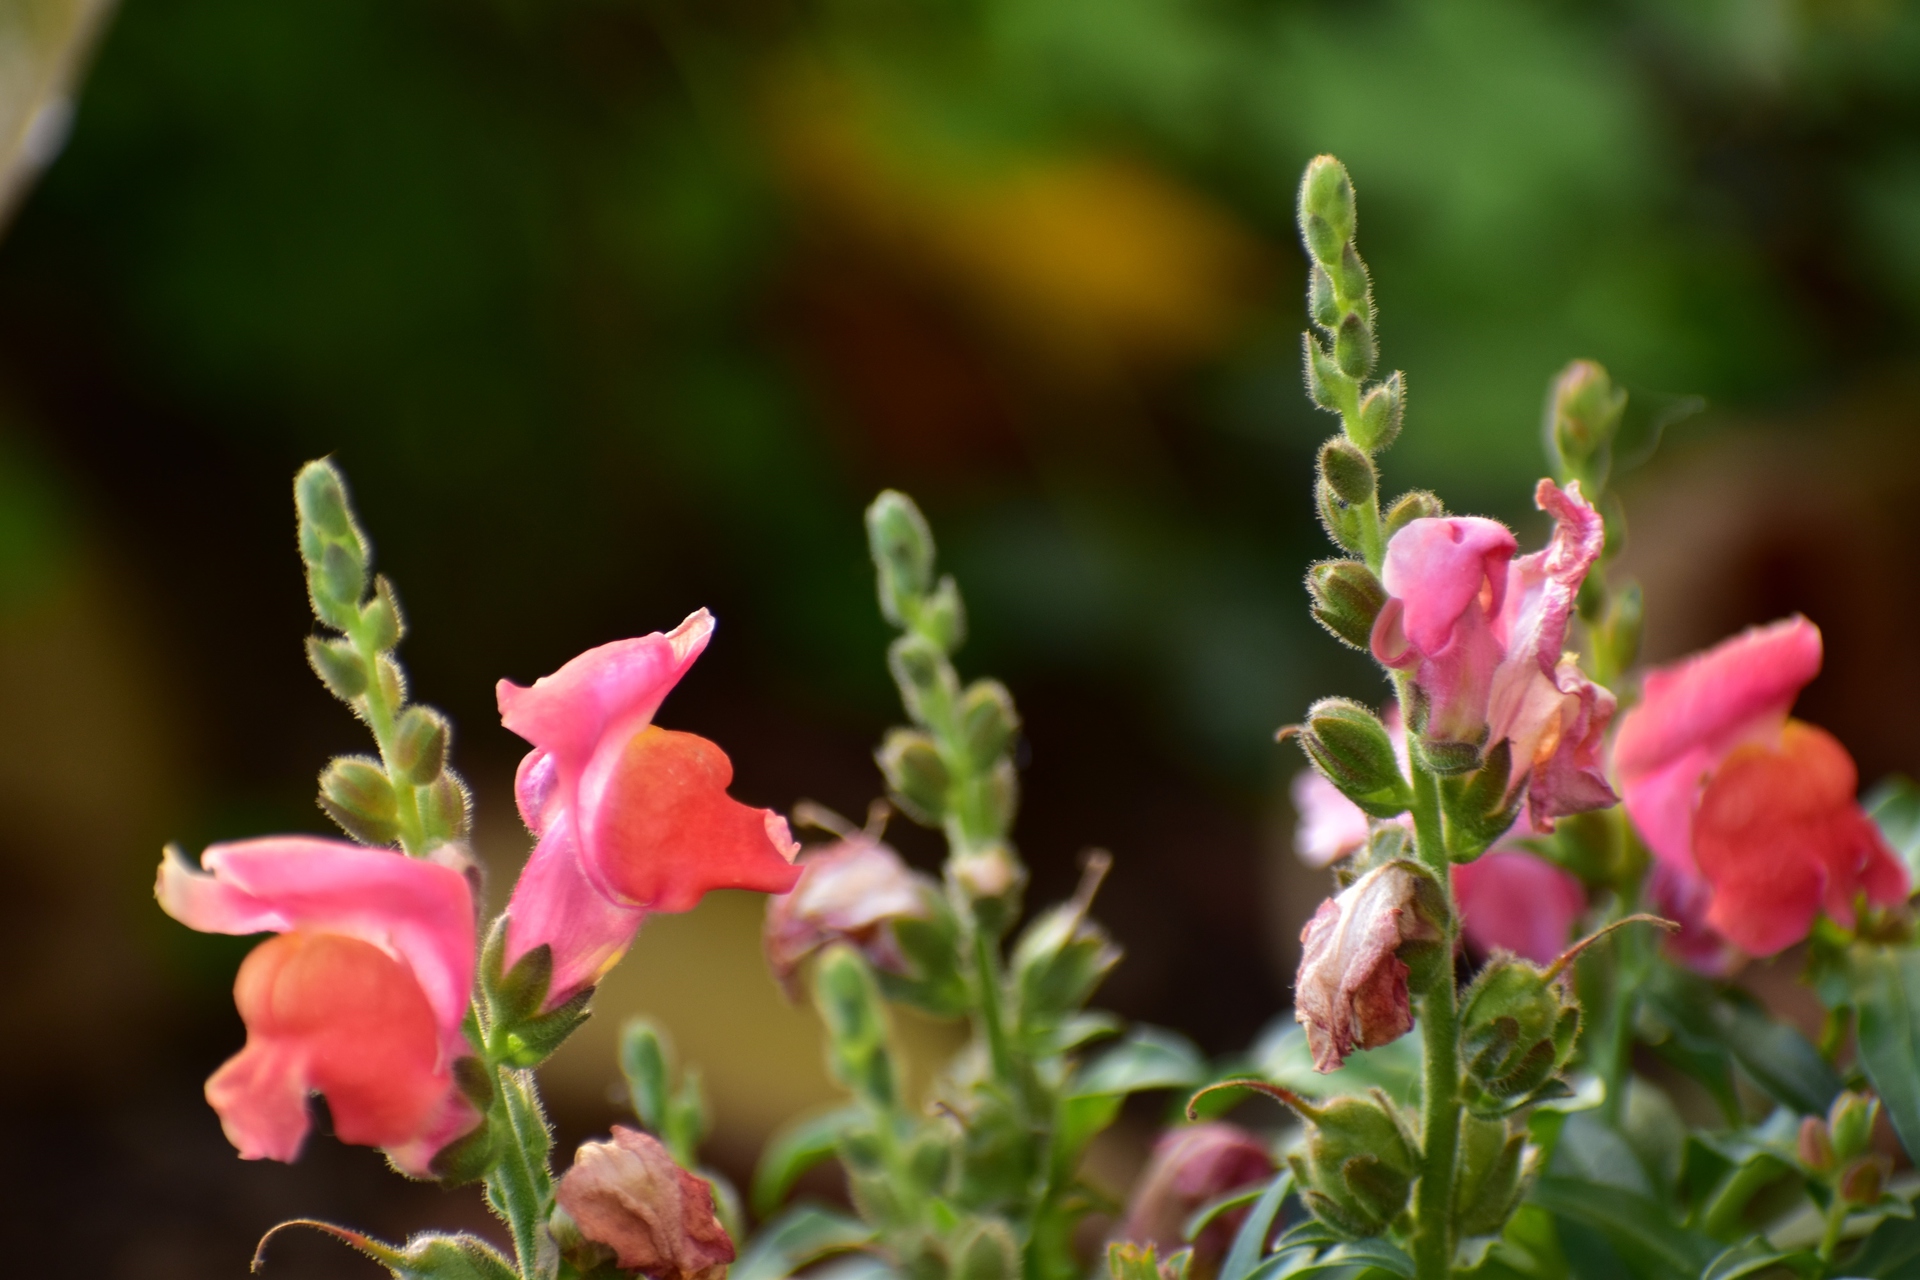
[445,808]
[355,792]
[1354,348]
[849,1005]
[902,548]
[1416,505]
[1864,1181]
[339,667]
[381,620]
[923,674]
[1518,1029]
[420,744]
[989,873]
[1583,413]
[1326,207]
[917,777]
[943,618]
[1815,1145]
[1357,1166]
[1494,1172]
[1346,599]
[1342,522]
[1851,1118]
[320,497]
[1377,423]
[1350,280]
[1350,746]
[987,721]
[627,1198]
[1326,385]
[1321,304]
[1349,471]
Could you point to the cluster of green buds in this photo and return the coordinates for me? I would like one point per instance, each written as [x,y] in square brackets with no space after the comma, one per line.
[1355,1170]
[1582,423]
[407,796]
[954,768]
[1837,1152]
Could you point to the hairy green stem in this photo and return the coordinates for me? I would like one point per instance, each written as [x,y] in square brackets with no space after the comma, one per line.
[381,720]
[520,1184]
[1836,1223]
[1440,1031]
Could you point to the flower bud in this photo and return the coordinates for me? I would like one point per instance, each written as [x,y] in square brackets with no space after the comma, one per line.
[1350,746]
[445,808]
[924,676]
[1348,471]
[1354,348]
[1377,423]
[988,874]
[1583,413]
[1475,806]
[1326,385]
[1321,304]
[1056,964]
[902,547]
[1346,599]
[381,622]
[1351,991]
[1326,207]
[1495,1167]
[420,744]
[1415,505]
[917,777]
[1342,522]
[338,665]
[943,618]
[1350,280]
[856,1024]
[851,892]
[1851,1119]
[355,792]
[627,1199]
[1518,1028]
[1357,1165]
[1815,1145]
[1864,1181]
[987,721]
[1618,636]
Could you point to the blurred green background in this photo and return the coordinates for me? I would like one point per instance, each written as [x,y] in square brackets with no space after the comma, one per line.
[611,309]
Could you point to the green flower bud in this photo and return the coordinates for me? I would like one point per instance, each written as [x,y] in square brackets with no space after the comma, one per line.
[986,1252]
[1445,757]
[1583,413]
[1348,471]
[338,665]
[1377,423]
[381,619]
[943,618]
[1354,348]
[1326,385]
[917,777]
[1851,1118]
[856,1025]
[902,548]
[1350,282]
[1342,522]
[1058,961]
[355,792]
[320,497]
[420,744]
[987,721]
[1416,505]
[1357,1165]
[925,677]
[444,809]
[1518,1028]
[1327,212]
[1495,1167]
[1618,638]
[1476,806]
[1864,1181]
[1321,304]
[1346,599]
[1349,745]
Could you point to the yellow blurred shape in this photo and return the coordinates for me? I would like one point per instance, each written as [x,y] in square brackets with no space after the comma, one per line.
[42,44]
[1088,259]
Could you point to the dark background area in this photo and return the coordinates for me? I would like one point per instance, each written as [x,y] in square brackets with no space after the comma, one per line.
[612,309]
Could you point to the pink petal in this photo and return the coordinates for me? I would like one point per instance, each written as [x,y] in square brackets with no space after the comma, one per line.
[1351,991]
[535,783]
[554,903]
[1330,826]
[1439,568]
[608,692]
[1511,900]
[419,911]
[1569,775]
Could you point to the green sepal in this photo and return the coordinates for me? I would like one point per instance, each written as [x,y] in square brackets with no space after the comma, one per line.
[467,1159]
[929,944]
[1417,504]
[1347,597]
[1351,748]
[988,722]
[917,776]
[445,808]
[986,1251]
[339,667]
[1445,757]
[420,741]
[1058,961]
[1492,1178]
[1354,348]
[1326,385]
[425,1257]
[517,994]
[1348,471]
[533,1041]
[1376,423]
[356,793]
[1476,807]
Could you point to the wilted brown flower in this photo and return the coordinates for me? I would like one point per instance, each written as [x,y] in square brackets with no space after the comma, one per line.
[629,1196]
[1351,992]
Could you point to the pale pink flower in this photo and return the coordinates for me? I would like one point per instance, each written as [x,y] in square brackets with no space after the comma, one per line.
[631,818]
[851,891]
[1191,1166]
[360,998]
[1351,992]
[630,1197]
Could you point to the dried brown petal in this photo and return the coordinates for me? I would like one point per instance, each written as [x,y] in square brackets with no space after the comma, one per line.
[630,1196]
[1351,992]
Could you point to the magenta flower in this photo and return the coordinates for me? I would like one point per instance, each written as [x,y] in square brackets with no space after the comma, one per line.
[1727,790]
[360,998]
[1190,1167]
[1483,635]
[630,818]
[1511,900]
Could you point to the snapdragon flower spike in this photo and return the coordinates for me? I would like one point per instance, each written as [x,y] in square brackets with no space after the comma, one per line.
[1484,635]
[630,818]
[1727,790]
[360,998]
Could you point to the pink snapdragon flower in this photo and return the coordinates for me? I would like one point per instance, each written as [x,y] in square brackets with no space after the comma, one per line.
[1513,900]
[1192,1166]
[1728,791]
[630,818]
[360,998]
[1483,635]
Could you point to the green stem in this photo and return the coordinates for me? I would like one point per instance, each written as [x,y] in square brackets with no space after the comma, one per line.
[986,964]
[382,714]
[1440,1031]
[520,1185]
[1836,1223]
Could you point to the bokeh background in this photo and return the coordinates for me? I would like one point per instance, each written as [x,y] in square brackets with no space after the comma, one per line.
[612,309]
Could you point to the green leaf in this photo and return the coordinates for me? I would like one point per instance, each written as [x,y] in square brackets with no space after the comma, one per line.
[1890,1252]
[1714,1025]
[802,1235]
[1281,1056]
[1250,1242]
[1206,1213]
[425,1257]
[1885,987]
[794,1149]
[1148,1058]
[1757,1255]
[643,1061]
[1638,1227]
[1895,805]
